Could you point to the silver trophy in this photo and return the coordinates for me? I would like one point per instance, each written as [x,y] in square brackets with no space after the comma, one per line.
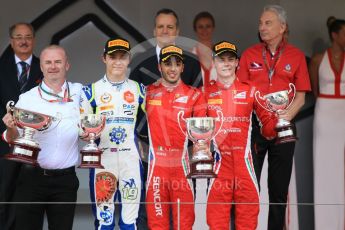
[91,126]
[25,149]
[201,130]
[275,102]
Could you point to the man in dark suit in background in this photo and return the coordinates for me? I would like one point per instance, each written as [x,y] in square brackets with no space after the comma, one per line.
[144,70]
[144,67]
[19,72]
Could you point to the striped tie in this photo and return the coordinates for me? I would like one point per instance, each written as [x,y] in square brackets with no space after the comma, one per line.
[23,75]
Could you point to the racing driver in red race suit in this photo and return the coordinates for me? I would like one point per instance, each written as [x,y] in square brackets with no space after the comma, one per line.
[236,181]
[168,155]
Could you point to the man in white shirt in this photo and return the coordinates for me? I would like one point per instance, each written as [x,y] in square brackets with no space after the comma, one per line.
[52,186]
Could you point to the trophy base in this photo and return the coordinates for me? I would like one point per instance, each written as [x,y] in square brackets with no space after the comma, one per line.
[90,159]
[201,169]
[23,153]
[285,134]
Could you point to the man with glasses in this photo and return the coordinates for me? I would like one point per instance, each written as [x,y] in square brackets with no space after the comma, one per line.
[19,72]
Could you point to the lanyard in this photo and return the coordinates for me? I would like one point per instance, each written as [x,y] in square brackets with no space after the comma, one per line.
[271,69]
[65,98]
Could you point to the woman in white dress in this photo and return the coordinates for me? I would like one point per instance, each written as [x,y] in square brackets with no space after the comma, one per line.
[328,81]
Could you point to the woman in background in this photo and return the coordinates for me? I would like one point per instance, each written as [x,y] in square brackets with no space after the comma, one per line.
[204,25]
[328,81]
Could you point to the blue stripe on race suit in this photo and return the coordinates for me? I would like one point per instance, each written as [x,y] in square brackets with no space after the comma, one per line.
[143,189]
[93,195]
[136,142]
[89,93]
[141,167]
[142,93]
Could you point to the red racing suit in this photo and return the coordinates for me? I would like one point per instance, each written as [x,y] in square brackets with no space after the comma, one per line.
[236,181]
[168,154]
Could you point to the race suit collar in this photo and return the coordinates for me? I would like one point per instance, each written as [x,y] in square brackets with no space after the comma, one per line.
[114,83]
[225,86]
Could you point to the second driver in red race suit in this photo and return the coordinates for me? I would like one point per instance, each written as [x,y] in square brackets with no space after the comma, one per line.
[236,181]
[168,155]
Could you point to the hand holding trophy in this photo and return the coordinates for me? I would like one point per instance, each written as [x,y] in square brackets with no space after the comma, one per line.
[201,130]
[91,126]
[24,148]
[275,102]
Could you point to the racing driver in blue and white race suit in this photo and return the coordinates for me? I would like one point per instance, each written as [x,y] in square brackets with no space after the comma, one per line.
[118,98]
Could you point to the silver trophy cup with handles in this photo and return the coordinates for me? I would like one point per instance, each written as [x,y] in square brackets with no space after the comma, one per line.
[25,148]
[201,130]
[275,102]
[91,125]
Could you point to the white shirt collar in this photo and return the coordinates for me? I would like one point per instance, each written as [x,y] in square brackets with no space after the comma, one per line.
[158,50]
[27,61]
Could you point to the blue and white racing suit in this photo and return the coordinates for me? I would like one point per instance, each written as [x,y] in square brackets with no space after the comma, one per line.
[121,178]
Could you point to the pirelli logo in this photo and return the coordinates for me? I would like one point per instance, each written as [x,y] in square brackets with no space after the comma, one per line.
[155,102]
[171,49]
[215,101]
[118,42]
[225,45]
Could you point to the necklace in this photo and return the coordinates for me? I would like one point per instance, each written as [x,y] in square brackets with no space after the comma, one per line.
[336,56]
